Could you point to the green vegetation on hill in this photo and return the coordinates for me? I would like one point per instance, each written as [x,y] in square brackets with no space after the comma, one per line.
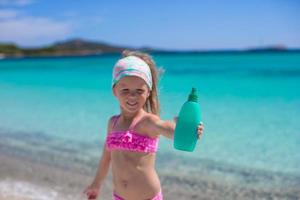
[67,48]
[8,49]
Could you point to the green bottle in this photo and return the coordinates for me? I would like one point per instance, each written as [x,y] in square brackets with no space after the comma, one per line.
[185,135]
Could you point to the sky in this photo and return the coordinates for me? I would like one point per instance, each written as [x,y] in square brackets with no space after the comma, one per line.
[164,24]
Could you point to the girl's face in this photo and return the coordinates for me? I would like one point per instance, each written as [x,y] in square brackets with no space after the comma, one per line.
[132,93]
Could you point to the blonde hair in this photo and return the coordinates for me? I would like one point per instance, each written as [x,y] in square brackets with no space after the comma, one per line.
[152,103]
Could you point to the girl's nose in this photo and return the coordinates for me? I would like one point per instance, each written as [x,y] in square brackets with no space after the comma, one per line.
[132,94]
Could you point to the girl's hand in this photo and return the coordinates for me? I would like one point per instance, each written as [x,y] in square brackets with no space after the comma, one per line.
[175,119]
[92,191]
[200,129]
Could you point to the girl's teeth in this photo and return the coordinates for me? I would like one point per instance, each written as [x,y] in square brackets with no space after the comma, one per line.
[131,104]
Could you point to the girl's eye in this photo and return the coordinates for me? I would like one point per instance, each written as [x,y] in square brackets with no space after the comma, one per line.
[124,90]
[140,91]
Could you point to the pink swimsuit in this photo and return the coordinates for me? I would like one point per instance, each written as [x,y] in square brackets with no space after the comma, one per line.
[131,141]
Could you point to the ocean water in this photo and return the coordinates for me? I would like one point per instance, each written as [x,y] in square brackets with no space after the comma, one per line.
[58,108]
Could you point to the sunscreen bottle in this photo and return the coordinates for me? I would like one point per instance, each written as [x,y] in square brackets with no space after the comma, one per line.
[185,135]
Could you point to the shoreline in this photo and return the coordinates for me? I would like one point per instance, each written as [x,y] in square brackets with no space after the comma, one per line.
[38,179]
[192,52]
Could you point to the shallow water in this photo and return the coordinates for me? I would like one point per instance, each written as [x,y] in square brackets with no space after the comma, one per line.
[250,106]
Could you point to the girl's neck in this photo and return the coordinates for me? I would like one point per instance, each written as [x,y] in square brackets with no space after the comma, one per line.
[130,116]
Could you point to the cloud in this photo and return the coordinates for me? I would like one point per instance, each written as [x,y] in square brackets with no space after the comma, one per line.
[15,2]
[31,31]
[8,13]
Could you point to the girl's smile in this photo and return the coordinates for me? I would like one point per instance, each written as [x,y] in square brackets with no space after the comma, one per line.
[132,106]
[132,93]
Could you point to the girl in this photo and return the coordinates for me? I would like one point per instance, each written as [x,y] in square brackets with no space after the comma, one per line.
[132,136]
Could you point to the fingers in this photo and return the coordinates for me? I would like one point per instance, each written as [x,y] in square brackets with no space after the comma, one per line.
[200,126]
[175,119]
[91,194]
[200,129]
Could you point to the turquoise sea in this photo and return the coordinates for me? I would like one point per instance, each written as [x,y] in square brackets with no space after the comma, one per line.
[56,110]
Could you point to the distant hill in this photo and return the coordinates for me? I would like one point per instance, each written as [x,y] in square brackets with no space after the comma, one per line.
[74,47]
[80,47]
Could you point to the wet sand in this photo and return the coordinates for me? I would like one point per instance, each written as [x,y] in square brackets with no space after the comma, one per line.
[41,181]
[38,178]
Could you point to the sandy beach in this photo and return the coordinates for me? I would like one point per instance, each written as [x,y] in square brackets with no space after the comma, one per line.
[22,179]
[40,181]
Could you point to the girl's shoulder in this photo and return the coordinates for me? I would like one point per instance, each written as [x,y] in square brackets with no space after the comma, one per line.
[147,122]
[111,122]
[151,118]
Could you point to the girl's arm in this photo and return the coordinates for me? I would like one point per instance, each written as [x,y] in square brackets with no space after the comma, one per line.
[92,191]
[104,162]
[158,126]
[103,167]
[166,128]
